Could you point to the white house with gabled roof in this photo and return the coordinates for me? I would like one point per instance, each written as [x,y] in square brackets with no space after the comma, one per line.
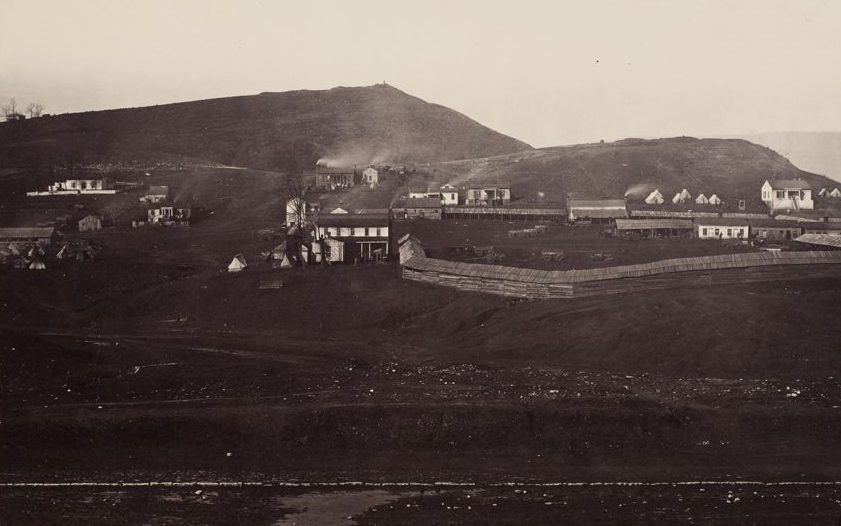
[788,194]
[449,195]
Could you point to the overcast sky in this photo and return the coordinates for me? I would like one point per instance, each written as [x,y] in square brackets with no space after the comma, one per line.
[546,72]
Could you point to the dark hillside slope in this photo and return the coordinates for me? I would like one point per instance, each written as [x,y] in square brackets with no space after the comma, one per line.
[279,131]
[728,167]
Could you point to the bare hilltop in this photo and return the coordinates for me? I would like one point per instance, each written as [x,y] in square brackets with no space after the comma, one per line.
[286,131]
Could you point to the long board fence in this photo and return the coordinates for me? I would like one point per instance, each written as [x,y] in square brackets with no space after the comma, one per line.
[670,273]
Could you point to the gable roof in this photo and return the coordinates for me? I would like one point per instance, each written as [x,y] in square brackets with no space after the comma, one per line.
[790,184]
[360,220]
[26,232]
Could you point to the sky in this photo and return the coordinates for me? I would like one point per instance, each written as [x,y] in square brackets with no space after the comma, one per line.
[546,72]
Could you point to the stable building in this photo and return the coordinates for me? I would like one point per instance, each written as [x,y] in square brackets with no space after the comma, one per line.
[596,210]
[423,208]
[774,230]
[650,228]
[26,236]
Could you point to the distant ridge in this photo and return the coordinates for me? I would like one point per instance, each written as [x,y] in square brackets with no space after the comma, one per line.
[286,131]
[731,168]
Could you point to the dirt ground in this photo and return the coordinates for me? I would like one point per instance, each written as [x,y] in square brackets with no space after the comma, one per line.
[150,364]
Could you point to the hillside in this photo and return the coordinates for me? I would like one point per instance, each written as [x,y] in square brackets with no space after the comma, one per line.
[818,152]
[728,167]
[286,131]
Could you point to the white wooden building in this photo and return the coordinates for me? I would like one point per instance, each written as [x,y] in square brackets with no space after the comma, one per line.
[364,236]
[788,194]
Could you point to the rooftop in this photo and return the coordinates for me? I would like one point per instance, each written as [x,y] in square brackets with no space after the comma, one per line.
[352,220]
[26,232]
[575,202]
[790,184]
[827,240]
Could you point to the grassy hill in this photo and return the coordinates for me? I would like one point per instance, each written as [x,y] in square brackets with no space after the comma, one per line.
[728,167]
[286,131]
[818,152]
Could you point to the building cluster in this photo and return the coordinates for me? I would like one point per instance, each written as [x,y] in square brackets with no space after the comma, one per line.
[161,210]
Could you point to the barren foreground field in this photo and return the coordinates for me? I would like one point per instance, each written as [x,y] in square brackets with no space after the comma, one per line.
[351,396]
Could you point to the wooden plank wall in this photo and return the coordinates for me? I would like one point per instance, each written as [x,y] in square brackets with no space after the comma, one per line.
[539,284]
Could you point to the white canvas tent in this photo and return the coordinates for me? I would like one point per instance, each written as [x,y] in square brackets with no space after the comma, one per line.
[702,199]
[714,200]
[237,264]
[654,198]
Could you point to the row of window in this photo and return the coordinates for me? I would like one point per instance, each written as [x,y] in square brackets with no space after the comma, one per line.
[354,231]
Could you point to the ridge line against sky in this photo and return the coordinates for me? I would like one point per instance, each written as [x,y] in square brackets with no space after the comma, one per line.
[548,73]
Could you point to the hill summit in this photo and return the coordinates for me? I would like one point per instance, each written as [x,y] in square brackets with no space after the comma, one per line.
[280,131]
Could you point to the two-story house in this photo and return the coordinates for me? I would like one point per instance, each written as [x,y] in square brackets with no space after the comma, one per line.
[364,236]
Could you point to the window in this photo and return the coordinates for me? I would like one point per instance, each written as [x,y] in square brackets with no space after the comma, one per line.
[703,231]
[729,232]
[367,232]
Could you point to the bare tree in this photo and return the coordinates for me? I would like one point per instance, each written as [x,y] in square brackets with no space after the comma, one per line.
[296,206]
[35,109]
[10,109]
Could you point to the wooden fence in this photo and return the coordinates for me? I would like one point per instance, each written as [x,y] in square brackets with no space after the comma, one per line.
[670,273]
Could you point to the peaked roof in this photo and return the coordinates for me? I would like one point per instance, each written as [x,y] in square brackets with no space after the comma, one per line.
[26,232]
[355,220]
[790,184]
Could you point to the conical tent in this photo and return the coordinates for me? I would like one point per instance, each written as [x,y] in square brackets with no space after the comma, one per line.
[237,264]
[654,198]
